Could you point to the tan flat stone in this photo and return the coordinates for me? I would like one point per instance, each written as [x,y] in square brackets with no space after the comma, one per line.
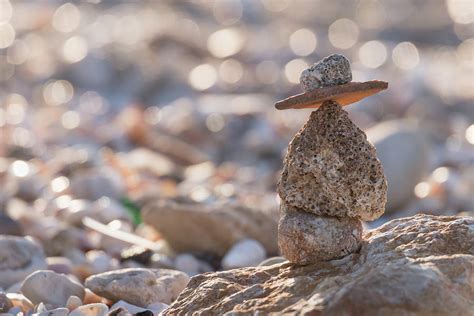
[343,94]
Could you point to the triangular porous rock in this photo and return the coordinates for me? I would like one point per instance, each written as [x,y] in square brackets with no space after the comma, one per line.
[331,169]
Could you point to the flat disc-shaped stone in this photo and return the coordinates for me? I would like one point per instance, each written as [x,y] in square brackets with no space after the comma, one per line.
[343,94]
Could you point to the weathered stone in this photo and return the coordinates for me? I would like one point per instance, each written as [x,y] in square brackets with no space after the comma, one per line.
[18,258]
[51,288]
[330,71]
[306,238]
[331,169]
[419,265]
[138,286]
[213,228]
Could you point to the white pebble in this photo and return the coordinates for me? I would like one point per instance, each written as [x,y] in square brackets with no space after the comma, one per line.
[245,253]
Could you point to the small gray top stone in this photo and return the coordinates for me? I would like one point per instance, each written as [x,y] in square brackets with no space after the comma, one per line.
[332,70]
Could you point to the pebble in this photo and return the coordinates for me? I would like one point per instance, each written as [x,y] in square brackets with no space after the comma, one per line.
[73,302]
[8,226]
[51,288]
[411,162]
[62,311]
[157,308]
[19,300]
[139,286]
[99,261]
[128,307]
[5,304]
[20,257]
[60,265]
[119,311]
[245,253]
[96,309]
[187,263]
[96,183]
[332,70]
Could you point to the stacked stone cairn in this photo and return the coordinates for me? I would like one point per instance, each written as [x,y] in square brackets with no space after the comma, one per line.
[331,179]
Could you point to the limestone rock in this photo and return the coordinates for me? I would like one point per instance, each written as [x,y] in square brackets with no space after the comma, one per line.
[305,238]
[18,258]
[211,228]
[332,70]
[420,265]
[51,288]
[331,169]
[139,286]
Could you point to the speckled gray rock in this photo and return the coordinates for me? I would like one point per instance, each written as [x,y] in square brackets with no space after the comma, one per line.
[331,169]
[51,288]
[138,286]
[18,258]
[306,238]
[332,70]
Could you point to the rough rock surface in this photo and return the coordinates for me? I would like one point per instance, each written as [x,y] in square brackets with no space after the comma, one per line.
[51,288]
[420,265]
[305,238]
[332,70]
[139,286]
[18,258]
[331,169]
[211,228]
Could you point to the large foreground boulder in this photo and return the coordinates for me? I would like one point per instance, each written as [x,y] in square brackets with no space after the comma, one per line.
[421,265]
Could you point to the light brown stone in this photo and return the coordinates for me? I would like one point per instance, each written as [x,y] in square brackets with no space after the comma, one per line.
[213,228]
[421,265]
[306,238]
[331,169]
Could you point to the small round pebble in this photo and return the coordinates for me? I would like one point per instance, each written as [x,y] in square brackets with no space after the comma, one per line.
[51,288]
[332,70]
[96,309]
[245,253]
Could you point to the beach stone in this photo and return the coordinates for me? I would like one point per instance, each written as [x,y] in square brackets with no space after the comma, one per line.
[420,265]
[331,169]
[96,183]
[139,286]
[332,70]
[73,302]
[157,307]
[245,253]
[62,311]
[306,238]
[212,228]
[51,288]
[18,258]
[5,304]
[187,263]
[20,301]
[410,164]
[127,307]
[96,309]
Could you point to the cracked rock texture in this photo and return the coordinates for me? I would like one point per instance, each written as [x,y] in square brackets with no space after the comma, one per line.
[332,70]
[305,238]
[331,169]
[420,265]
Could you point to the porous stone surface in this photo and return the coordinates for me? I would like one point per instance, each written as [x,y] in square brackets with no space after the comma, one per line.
[212,228]
[51,288]
[18,258]
[331,169]
[305,238]
[139,286]
[420,265]
[332,70]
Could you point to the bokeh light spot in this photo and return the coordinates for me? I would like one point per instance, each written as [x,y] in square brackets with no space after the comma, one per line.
[66,18]
[74,49]
[203,77]
[405,56]
[225,43]
[293,70]
[373,54]
[343,33]
[7,35]
[303,42]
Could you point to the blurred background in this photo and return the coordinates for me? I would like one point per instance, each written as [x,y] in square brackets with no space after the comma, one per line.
[108,106]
